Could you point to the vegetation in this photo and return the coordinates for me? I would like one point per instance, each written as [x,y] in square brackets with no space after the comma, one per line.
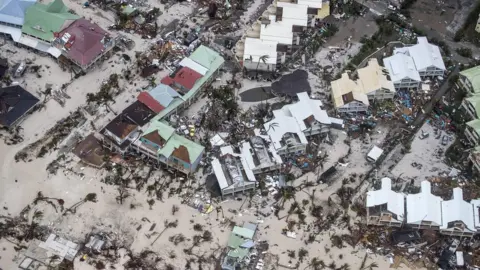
[467,32]
[465,52]
[105,95]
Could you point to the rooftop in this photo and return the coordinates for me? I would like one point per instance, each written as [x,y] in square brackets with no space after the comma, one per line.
[424,54]
[311,3]
[13,11]
[158,132]
[306,110]
[346,90]
[476,213]
[393,200]
[282,125]
[84,41]
[90,151]
[294,14]
[374,77]
[256,48]
[424,206]
[280,32]
[475,124]
[473,75]
[475,101]
[15,101]
[135,115]
[43,20]
[183,79]
[401,66]
[182,149]
[457,209]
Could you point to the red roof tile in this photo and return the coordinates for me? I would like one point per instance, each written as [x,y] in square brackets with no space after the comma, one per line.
[186,77]
[150,102]
[86,37]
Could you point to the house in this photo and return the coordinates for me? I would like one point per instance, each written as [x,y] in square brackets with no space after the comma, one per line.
[457,216]
[374,81]
[182,80]
[424,210]
[309,115]
[84,43]
[239,244]
[385,207]
[374,154]
[426,56]
[159,142]
[472,131]
[469,80]
[12,16]
[260,55]
[285,134]
[476,213]
[402,71]
[348,95]
[474,157]
[15,104]
[159,98]
[471,105]
[39,252]
[263,157]
[123,129]
[233,171]
[90,151]
[42,21]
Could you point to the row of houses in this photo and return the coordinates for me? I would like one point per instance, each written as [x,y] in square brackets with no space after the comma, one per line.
[272,38]
[404,70]
[284,136]
[423,210]
[53,30]
[143,129]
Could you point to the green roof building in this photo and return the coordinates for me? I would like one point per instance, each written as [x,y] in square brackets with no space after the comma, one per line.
[469,80]
[472,131]
[472,105]
[43,20]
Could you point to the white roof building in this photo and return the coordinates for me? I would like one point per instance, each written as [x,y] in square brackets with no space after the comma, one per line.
[457,209]
[424,54]
[294,14]
[310,3]
[424,206]
[305,108]
[400,66]
[281,125]
[187,62]
[256,48]
[476,213]
[280,32]
[394,201]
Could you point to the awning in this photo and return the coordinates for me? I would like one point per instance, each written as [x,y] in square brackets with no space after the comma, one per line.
[12,31]
[39,45]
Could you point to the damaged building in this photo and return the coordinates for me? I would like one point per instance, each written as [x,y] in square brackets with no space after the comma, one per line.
[385,207]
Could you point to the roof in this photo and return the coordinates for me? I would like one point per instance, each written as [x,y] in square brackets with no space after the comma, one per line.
[42,20]
[344,87]
[305,108]
[475,101]
[185,76]
[281,125]
[162,132]
[181,148]
[311,3]
[234,241]
[138,113]
[424,206]
[401,66]
[89,41]
[243,232]
[256,48]
[135,115]
[164,94]
[280,32]
[150,102]
[294,14]
[476,212]
[187,62]
[15,101]
[385,195]
[475,124]
[90,151]
[206,57]
[457,209]
[13,11]
[375,152]
[247,164]
[473,75]
[373,77]
[324,11]
[424,54]
[239,253]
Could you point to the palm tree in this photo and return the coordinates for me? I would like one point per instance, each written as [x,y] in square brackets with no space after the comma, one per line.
[262,59]
[272,126]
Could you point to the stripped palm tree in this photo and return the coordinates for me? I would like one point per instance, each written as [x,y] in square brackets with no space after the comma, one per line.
[272,126]
[262,59]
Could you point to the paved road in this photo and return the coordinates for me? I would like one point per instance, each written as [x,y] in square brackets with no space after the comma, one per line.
[418,122]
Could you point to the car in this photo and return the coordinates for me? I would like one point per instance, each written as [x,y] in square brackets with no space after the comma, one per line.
[444,140]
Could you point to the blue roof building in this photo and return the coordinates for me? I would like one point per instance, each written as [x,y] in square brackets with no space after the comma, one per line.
[12,12]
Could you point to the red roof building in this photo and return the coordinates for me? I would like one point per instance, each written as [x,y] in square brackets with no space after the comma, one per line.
[150,102]
[182,80]
[83,42]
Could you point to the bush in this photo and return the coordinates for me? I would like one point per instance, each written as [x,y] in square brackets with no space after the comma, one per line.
[465,52]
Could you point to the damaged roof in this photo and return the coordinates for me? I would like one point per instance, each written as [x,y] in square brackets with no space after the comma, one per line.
[184,77]
[385,195]
[182,149]
[135,115]
[90,151]
[473,75]
[457,209]
[15,101]
[424,206]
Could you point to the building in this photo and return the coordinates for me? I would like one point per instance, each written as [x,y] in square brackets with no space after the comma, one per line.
[124,128]
[469,80]
[15,104]
[457,216]
[233,170]
[477,27]
[43,253]
[160,98]
[375,83]
[12,12]
[348,95]
[159,142]
[385,207]
[424,210]
[474,157]
[402,71]
[472,131]
[263,157]
[84,43]
[426,56]
[239,245]
[285,134]
[260,55]
[471,105]
[476,213]
[90,151]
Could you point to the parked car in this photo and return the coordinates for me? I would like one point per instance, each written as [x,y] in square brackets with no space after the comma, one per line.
[444,140]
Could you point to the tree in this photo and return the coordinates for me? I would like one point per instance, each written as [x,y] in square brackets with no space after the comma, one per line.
[151,202]
[91,197]
[174,209]
[272,126]
[122,194]
[262,59]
